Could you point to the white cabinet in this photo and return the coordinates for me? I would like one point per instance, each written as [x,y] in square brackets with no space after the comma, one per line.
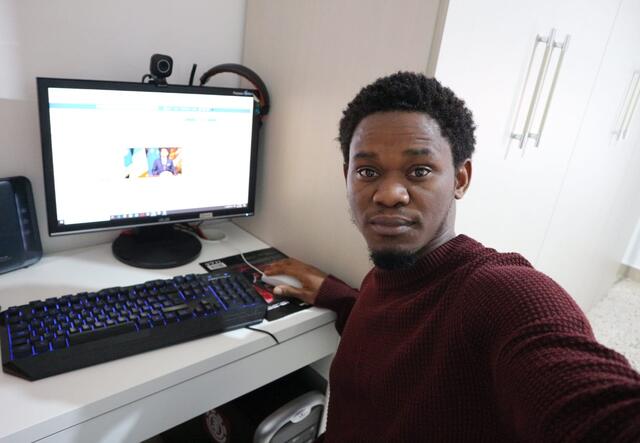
[568,204]
[598,205]
[486,50]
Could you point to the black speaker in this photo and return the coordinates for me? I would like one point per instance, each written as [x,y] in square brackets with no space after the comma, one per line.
[19,236]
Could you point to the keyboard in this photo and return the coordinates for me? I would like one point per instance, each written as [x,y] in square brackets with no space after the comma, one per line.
[60,334]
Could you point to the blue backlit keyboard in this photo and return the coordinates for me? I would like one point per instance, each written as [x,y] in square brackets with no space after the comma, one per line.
[60,334]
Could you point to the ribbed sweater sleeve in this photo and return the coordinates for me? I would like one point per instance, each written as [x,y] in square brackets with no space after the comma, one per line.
[553,381]
[336,295]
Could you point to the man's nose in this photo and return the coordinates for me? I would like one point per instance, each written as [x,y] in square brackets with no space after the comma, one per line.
[391,192]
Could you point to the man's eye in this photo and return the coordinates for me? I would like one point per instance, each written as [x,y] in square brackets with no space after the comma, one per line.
[420,172]
[366,172]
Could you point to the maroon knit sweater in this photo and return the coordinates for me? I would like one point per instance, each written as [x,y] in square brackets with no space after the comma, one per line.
[471,345]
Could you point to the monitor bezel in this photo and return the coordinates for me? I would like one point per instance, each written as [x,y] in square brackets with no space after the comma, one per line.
[56,229]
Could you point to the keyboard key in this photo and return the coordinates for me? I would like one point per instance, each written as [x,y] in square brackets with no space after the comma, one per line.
[19,341]
[19,334]
[19,327]
[185,313]
[168,309]
[59,343]
[41,346]
[98,334]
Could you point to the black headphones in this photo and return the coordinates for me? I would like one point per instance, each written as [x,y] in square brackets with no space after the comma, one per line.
[249,75]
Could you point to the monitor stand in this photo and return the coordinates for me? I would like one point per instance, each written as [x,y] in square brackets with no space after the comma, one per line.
[156,247]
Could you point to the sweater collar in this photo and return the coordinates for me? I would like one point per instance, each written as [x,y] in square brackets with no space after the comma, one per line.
[443,256]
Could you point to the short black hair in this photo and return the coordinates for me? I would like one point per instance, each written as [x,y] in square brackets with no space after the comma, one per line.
[412,92]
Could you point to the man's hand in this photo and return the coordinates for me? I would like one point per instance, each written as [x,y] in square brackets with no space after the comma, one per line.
[310,277]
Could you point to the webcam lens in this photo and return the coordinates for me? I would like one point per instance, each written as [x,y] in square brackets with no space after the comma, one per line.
[163,66]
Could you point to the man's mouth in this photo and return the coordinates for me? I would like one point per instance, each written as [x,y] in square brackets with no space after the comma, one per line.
[390,225]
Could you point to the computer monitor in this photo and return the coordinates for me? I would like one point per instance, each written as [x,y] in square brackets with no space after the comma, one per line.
[142,157]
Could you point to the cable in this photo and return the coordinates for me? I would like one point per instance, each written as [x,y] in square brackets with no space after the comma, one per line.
[200,234]
[144,77]
[264,332]
[197,232]
[250,265]
[245,260]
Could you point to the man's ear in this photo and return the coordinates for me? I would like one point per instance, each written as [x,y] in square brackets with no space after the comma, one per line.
[463,178]
[345,170]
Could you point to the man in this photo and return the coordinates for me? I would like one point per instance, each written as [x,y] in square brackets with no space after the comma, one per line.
[163,164]
[446,340]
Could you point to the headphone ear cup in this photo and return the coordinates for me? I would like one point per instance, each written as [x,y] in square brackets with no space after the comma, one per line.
[248,74]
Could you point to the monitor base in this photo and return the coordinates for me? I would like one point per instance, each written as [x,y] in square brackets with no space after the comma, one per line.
[156,247]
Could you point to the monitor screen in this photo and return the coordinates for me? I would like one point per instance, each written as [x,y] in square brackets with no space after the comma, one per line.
[119,154]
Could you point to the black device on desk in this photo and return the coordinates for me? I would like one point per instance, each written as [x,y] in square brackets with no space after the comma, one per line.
[56,335]
[120,155]
[19,236]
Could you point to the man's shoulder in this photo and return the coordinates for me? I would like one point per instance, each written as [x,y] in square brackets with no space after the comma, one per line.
[494,274]
[500,271]
[504,291]
[507,282]
[487,266]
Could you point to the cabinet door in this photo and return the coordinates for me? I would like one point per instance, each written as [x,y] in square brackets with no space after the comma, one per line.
[485,54]
[598,205]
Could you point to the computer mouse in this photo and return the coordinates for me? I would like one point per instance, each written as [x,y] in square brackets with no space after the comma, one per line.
[281,279]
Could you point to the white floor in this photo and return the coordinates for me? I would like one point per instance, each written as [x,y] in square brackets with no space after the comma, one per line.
[616,320]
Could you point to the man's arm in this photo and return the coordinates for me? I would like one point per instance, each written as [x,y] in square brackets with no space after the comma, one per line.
[557,385]
[318,288]
[336,295]
[552,380]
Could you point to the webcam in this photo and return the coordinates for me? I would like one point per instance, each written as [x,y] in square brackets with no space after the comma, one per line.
[160,68]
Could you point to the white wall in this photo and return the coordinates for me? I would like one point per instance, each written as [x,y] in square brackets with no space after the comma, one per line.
[104,40]
[314,56]
[632,255]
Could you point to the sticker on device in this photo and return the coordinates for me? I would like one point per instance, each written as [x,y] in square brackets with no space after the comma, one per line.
[213,265]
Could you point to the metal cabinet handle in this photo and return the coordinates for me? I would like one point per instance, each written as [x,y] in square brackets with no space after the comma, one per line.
[515,135]
[542,72]
[563,50]
[629,106]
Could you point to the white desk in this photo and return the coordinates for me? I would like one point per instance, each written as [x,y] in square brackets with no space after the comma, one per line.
[136,397]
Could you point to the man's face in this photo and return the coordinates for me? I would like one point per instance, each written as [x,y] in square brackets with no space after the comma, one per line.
[401,183]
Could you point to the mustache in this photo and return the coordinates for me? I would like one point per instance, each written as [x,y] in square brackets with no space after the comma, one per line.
[385,216]
[400,214]
[386,219]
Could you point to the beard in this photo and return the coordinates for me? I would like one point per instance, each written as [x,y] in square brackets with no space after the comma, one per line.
[394,260]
